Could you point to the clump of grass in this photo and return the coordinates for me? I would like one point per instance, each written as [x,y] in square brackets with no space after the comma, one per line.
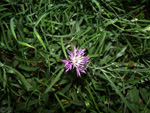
[35,36]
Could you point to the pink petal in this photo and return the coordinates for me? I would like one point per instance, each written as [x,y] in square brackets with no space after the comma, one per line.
[67,70]
[78,72]
[65,61]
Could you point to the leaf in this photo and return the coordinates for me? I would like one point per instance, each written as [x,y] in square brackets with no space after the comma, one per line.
[24,82]
[39,38]
[12,28]
[63,48]
[26,44]
[4,79]
[54,81]
[120,94]
[134,98]
[121,52]
[14,34]
[63,109]
[78,103]
[40,18]
[27,68]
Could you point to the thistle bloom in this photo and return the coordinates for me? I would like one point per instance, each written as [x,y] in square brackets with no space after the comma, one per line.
[77,60]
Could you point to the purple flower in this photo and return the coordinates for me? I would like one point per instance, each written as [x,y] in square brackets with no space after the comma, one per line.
[77,60]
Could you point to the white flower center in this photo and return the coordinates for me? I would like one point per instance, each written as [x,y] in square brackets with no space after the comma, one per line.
[76,60]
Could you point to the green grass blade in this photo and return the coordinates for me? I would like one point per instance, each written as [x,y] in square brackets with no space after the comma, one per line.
[54,81]
[39,38]
[63,48]
[119,93]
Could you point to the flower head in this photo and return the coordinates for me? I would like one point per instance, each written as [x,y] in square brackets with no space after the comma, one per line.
[77,60]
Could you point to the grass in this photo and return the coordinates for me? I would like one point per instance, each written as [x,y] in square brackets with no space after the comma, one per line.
[35,36]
